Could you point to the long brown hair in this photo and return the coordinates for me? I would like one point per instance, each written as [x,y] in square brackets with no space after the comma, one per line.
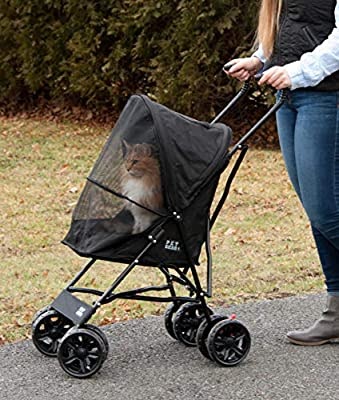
[268,24]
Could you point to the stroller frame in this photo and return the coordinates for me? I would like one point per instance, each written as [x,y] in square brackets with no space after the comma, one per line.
[75,313]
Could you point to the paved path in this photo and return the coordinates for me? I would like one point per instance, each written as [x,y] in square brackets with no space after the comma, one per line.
[145,364]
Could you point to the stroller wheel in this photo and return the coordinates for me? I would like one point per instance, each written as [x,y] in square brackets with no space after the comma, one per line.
[203,331]
[169,317]
[187,321]
[48,329]
[228,342]
[97,330]
[41,311]
[82,352]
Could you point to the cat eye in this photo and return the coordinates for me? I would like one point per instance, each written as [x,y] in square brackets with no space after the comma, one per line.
[134,162]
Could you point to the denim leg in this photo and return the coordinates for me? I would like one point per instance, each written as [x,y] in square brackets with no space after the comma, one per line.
[311,153]
[317,160]
[329,256]
[286,120]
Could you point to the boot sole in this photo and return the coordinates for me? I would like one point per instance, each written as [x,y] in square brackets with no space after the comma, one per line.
[319,343]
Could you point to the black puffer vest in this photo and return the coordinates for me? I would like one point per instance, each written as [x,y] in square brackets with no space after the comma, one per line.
[304,24]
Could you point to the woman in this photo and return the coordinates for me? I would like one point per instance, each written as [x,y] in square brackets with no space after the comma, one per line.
[299,49]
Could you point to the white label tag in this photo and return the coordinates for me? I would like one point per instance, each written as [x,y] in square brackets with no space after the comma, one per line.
[80,311]
[172,245]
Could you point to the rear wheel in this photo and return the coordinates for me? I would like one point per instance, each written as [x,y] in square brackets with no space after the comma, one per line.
[228,343]
[82,352]
[48,329]
[97,330]
[203,331]
[41,311]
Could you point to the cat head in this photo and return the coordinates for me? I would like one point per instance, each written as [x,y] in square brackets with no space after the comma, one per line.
[139,159]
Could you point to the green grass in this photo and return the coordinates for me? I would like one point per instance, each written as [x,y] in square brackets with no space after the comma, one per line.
[262,245]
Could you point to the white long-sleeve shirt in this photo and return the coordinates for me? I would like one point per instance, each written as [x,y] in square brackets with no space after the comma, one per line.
[315,65]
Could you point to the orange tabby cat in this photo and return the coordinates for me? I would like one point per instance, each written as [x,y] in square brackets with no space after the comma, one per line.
[141,182]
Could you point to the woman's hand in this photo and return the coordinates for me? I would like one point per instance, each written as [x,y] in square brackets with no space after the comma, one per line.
[276,77]
[244,68]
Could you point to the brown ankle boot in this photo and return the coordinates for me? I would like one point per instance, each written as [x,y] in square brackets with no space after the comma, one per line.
[324,329]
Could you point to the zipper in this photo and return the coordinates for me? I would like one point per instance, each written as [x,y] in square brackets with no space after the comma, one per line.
[283,21]
[310,36]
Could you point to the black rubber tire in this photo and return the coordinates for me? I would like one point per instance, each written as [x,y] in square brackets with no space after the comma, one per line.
[82,352]
[228,343]
[169,317]
[203,331]
[48,329]
[187,321]
[96,329]
[41,311]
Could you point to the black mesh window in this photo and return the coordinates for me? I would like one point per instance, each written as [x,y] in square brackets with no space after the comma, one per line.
[124,190]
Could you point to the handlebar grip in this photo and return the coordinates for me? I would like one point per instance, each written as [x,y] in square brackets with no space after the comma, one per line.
[258,76]
[228,66]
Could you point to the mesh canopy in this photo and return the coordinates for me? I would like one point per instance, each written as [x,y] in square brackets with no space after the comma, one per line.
[125,182]
[155,161]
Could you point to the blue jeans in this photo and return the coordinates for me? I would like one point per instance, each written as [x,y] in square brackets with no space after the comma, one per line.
[308,127]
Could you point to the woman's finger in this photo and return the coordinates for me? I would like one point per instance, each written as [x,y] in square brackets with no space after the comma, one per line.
[276,77]
[238,65]
[241,75]
[282,84]
[238,73]
[280,80]
[266,76]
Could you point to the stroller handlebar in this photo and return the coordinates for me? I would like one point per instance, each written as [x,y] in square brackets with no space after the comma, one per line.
[282,96]
[228,66]
[280,101]
[244,89]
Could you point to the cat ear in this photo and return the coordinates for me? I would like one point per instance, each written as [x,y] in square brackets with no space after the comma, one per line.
[153,150]
[143,149]
[125,147]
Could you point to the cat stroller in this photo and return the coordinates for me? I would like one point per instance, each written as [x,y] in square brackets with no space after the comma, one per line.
[146,203]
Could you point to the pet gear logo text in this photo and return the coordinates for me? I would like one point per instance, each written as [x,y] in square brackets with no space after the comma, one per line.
[172,245]
[80,312]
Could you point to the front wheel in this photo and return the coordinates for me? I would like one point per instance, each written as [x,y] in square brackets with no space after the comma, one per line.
[169,318]
[187,321]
